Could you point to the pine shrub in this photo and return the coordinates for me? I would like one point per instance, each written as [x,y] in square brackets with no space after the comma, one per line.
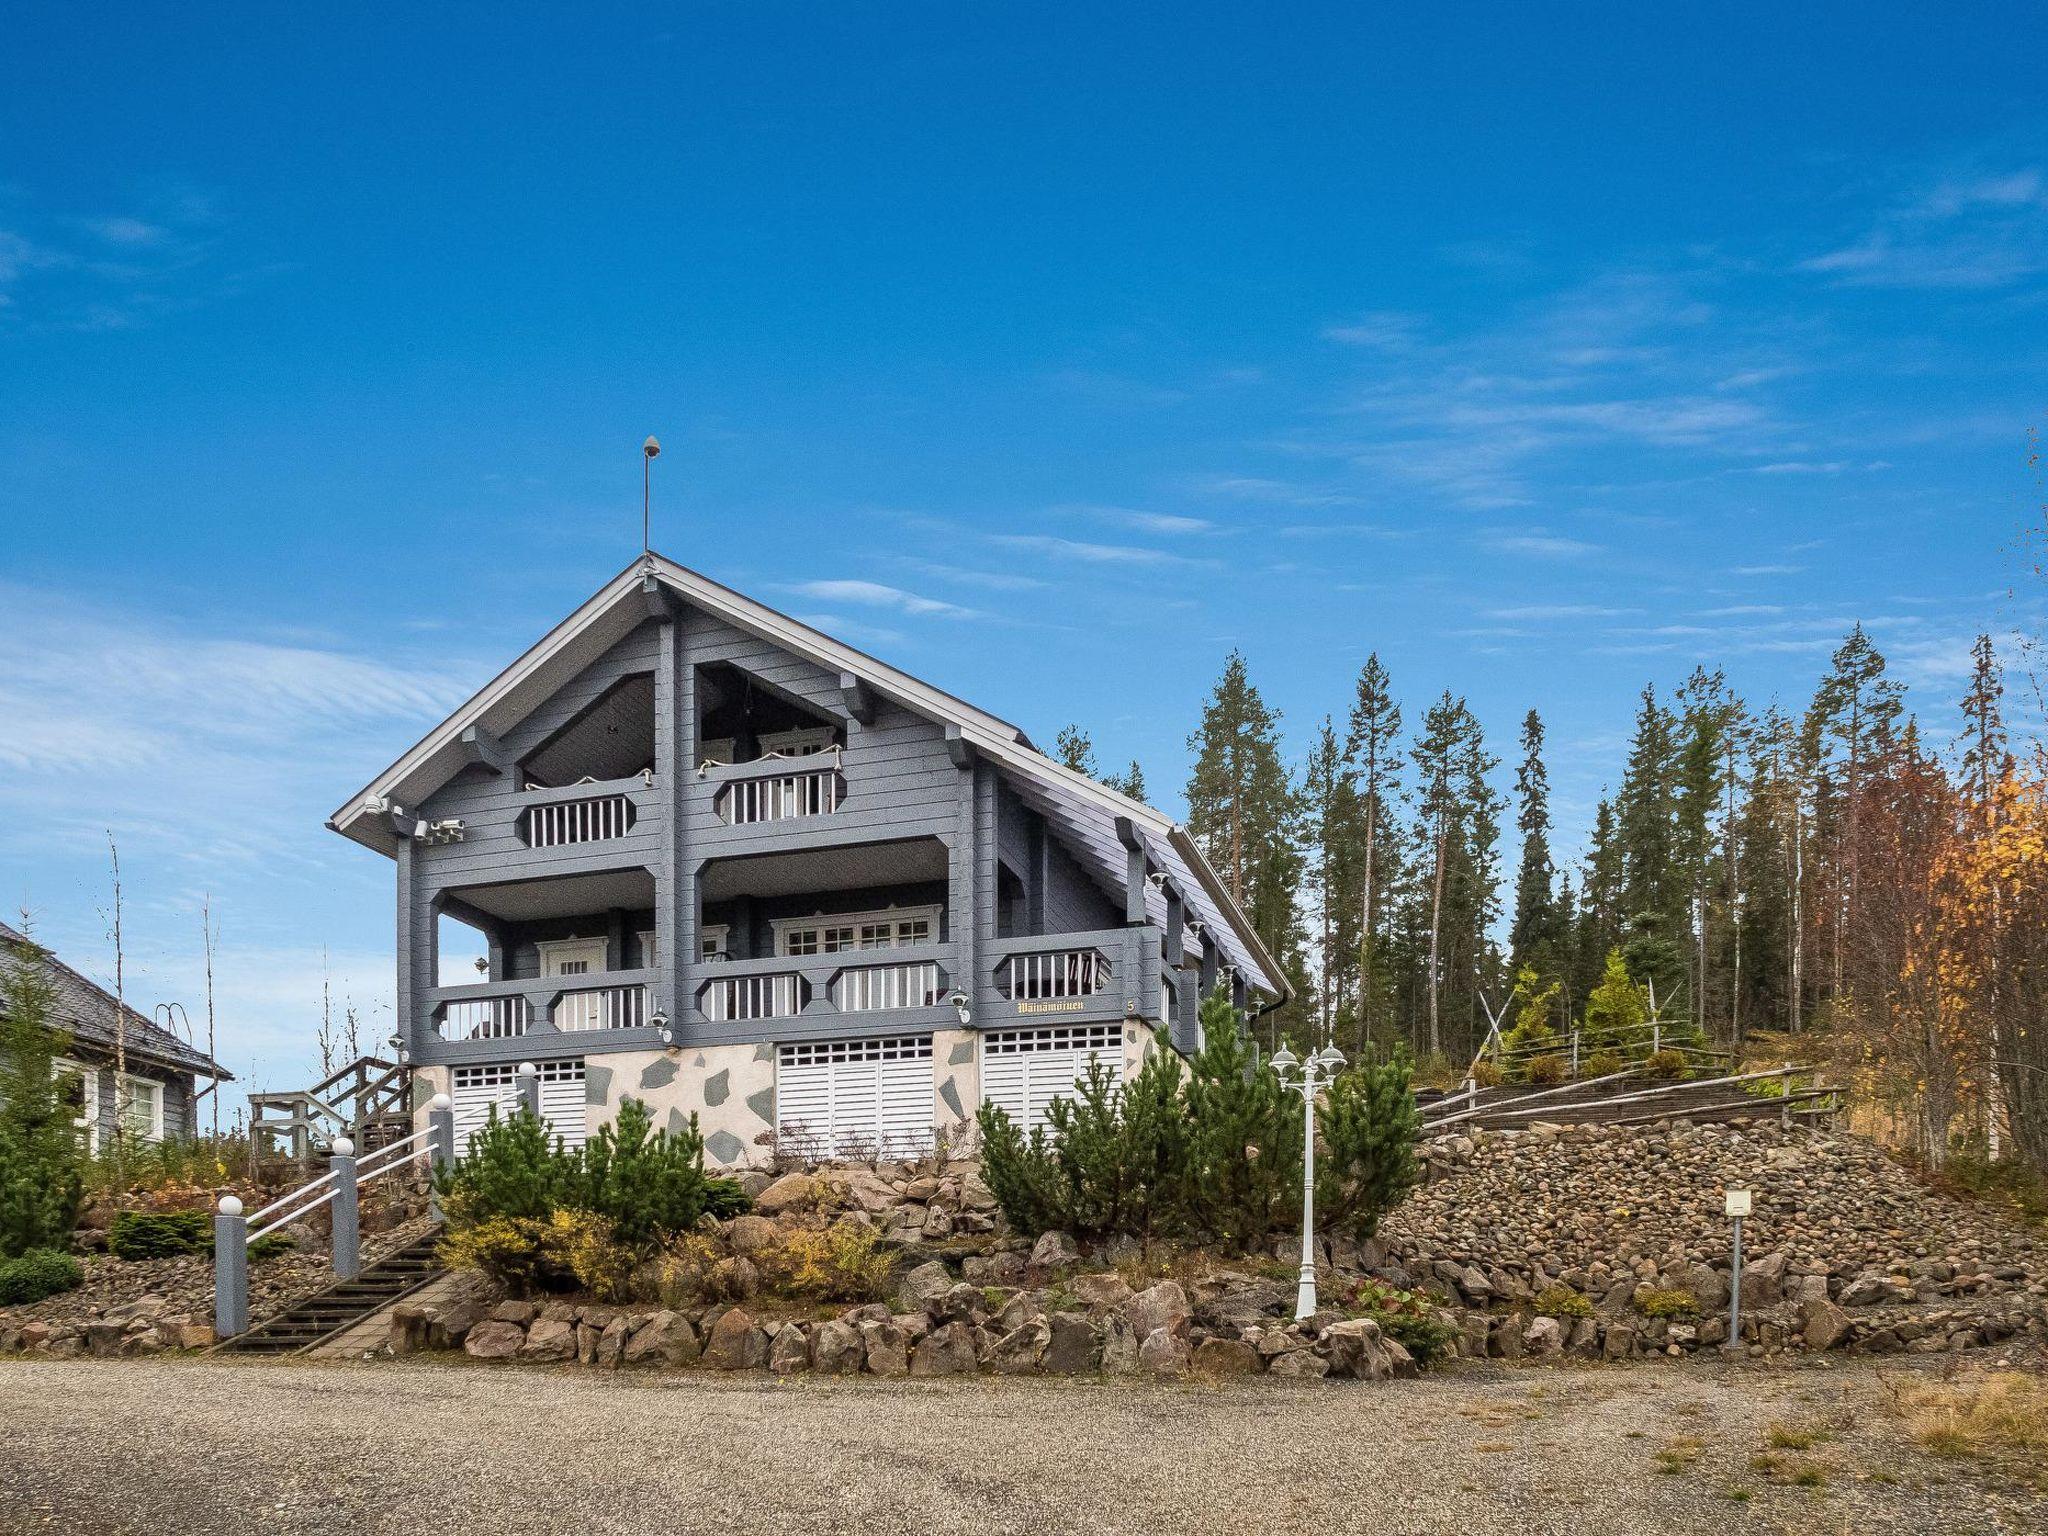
[513,1170]
[1546,1071]
[38,1273]
[42,1159]
[1245,1132]
[646,1183]
[1367,1124]
[138,1235]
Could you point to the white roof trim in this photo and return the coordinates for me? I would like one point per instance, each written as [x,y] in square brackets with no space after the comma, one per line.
[998,740]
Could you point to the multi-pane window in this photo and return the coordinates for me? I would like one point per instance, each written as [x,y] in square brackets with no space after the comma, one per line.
[141,1100]
[855,930]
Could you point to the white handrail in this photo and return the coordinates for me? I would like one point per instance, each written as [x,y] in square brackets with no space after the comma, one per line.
[290,1195]
[364,1170]
[285,1221]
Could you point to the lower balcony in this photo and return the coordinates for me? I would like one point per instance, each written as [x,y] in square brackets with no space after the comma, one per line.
[504,1010]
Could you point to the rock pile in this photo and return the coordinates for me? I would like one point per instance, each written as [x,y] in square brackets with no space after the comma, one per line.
[1845,1248]
[938,1325]
[910,1202]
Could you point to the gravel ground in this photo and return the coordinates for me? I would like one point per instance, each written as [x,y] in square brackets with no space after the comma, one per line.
[169,1446]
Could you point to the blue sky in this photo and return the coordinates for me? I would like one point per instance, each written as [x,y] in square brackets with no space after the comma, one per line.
[1048,352]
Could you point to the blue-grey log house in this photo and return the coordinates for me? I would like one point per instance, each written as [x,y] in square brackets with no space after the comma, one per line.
[727,865]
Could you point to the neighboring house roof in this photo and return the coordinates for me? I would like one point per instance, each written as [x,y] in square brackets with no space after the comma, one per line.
[1087,812]
[87,1012]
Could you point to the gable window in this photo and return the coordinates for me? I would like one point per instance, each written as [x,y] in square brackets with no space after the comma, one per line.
[78,1088]
[839,932]
[141,1100]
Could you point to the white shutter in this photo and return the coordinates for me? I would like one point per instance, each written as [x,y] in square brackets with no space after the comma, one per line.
[856,1098]
[476,1090]
[561,1099]
[1024,1070]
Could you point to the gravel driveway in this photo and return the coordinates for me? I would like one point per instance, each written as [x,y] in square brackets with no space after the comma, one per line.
[165,1447]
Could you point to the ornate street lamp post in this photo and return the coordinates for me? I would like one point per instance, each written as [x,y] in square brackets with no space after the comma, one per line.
[1307,1078]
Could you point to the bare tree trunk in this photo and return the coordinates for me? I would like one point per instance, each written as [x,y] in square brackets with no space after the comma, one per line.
[1365,945]
[1436,918]
[120,1007]
[209,936]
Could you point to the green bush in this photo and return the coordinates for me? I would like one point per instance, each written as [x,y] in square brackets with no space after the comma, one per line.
[1245,1132]
[138,1235]
[1603,1064]
[41,1153]
[1667,1302]
[1668,1065]
[35,1274]
[1115,1159]
[537,1214]
[725,1199]
[1547,1070]
[646,1183]
[1404,1316]
[1562,1301]
[1367,1124]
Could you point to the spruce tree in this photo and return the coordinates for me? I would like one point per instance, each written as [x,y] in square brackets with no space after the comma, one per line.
[1373,758]
[1643,818]
[1984,756]
[1130,783]
[1244,813]
[1333,830]
[1535,941]
[1458,836]
[1849,726]
[41,1159]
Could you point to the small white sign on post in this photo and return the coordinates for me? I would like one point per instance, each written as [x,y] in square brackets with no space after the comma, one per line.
[1738,1202]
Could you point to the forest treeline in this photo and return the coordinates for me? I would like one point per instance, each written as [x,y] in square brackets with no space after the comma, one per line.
[1826,870]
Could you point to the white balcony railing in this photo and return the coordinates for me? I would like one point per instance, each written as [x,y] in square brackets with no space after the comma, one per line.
[1054,976]
[602,1008]
[558,824]
[483,1018]
[754,997]
[780,797]
[872,988]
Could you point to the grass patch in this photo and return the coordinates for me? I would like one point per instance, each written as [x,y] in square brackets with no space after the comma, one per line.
[1678,1455]
[1999,1417]
[1795,1437]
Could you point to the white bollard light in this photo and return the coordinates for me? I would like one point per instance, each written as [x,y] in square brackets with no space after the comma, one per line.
[230,1206]
[341,1146]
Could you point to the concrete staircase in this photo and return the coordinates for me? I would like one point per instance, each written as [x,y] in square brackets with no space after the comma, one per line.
[321,1316]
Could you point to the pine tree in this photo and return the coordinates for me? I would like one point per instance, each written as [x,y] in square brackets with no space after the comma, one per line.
[41,1160]
[1458,834]
[1536,940]
[1245,1134]
[1372,755]
[1130,783]
[1244,814]
[1073,749]
[1615,1010]
[1599,921]
[1984,755]
[1643,814]
[1850,723]
[1701,810]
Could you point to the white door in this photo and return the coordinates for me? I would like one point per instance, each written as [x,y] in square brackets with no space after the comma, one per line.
[1024,1070]
[576,957]
[477,1089]
[856,1098]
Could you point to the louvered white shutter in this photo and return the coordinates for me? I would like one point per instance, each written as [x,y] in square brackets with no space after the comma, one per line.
[1024,1070]
[562,1101]
[855,1098]
[477,1089]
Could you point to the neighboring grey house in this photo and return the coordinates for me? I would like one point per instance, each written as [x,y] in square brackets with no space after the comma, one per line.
[159,1086]
[728,865]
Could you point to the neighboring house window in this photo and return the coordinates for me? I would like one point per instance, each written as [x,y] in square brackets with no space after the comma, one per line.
[142,1107]
[855,930]
[79,1086]
[713,941]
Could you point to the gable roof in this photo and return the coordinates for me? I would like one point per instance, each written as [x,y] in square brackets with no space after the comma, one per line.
[1085,811]
[87,1012]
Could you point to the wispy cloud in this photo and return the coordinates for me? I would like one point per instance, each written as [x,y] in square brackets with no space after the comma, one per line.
[1774,568]
[111,271]
[1384,330]
[1980,230]
[1541,546]
[1141,520]
[1087,553]
[874,594]
[1545,612]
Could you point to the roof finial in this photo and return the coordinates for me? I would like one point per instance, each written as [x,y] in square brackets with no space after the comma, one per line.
[649,452]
